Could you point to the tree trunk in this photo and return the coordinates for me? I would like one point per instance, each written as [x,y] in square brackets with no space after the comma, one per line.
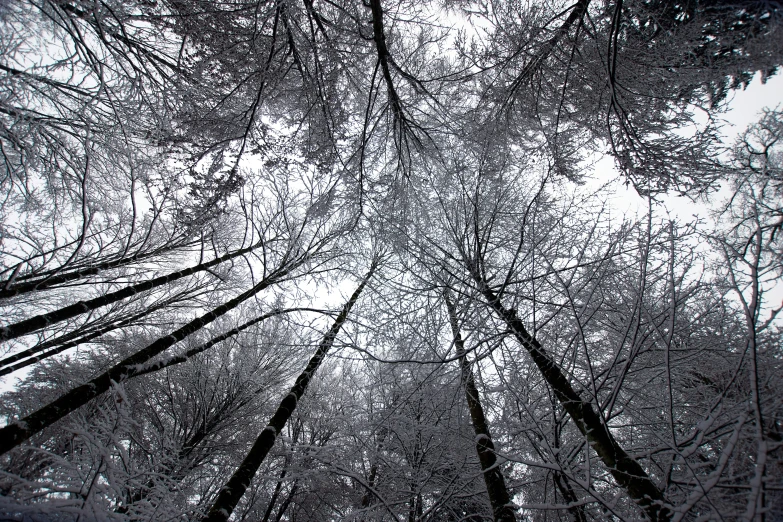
[17,432]
[235,488]
[9,289]
[625,470]
[71,340]
[287,502]
[278,487]
[42,321]
[499,498]
[564,486]
[176,470]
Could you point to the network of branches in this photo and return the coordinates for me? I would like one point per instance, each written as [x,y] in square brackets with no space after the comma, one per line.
[295,260]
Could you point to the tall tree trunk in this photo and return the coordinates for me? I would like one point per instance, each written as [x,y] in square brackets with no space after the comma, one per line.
[9,289]
[625,470]
[235,488]
[42,321]
[71,340]
[202,432]
[278,487]
[499,498]
[414,505]
[287,502]
[17,432]
[564,486]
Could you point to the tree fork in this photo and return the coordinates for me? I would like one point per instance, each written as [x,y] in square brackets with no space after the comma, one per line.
[625,470]
[499,498]
[235,488]
[578,12]
[17,432]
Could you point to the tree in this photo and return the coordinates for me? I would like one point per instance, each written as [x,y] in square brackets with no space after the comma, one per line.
[496,486]
[153,452]
[300,246]
[188,184]
[613,74]
[234,489]
[752,266]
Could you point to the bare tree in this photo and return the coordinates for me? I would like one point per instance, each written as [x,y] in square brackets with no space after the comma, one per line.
[234,489]
[180,176]
[493,477]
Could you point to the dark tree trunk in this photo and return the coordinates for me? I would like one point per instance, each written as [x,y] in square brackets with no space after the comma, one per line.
[415,509]
[42,321]
[366,498]
[499,498]
[9,289]
[235,488]
[17,432]
[625,470]
[278,488]
[176,470]
[564,486]
[287,502]
[71,340]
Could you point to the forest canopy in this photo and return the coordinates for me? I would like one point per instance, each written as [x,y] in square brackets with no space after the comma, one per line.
[297,260]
